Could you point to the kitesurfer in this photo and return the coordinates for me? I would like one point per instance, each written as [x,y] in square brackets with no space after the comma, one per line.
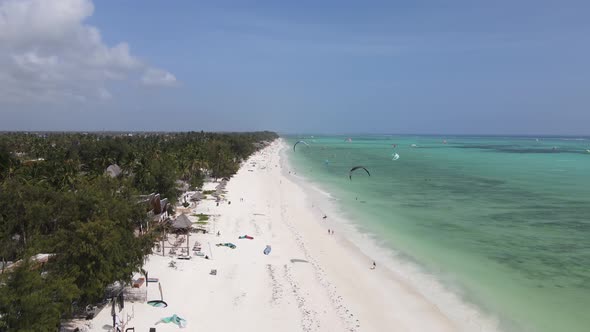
[355,168]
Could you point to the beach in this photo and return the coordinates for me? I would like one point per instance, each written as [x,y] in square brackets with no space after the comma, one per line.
[310,281]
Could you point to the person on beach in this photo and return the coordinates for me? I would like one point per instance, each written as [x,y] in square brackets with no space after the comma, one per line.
[374,265]
[329,231]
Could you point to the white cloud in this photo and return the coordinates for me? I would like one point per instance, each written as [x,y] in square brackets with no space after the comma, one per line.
[48,54]
[158,77]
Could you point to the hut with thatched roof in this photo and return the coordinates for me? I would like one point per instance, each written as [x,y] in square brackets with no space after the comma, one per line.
[181,224]
[113,170]
[197,196]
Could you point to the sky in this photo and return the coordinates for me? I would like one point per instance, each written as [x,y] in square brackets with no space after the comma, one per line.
[437,67]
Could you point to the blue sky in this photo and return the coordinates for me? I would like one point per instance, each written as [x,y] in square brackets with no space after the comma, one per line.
[495,67]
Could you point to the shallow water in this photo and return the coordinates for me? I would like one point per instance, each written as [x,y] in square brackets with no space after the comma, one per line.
[504,220]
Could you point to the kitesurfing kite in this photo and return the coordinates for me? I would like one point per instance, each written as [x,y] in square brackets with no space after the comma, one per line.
[181,322]
[157,303]
[298,143]
[355,168]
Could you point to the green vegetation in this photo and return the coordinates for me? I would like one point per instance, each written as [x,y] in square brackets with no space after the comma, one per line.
[208,192]
[201,216]
[200,222]
[55,198]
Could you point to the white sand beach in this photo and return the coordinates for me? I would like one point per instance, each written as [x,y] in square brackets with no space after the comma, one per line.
[311,281]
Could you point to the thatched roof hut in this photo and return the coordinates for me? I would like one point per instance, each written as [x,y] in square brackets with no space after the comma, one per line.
[182,222]
[197,196]
[113,170]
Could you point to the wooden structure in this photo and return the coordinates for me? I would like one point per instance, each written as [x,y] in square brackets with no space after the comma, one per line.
[181,226]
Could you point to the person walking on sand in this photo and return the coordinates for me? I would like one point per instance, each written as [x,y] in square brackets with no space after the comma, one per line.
[374,266]
[329,231]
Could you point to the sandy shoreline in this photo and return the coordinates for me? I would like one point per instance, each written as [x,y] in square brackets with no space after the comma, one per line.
[311,281]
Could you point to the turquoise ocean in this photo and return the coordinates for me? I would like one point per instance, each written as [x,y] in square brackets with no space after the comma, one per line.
[504,221]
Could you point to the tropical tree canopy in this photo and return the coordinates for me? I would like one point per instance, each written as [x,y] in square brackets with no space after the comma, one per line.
[56,198]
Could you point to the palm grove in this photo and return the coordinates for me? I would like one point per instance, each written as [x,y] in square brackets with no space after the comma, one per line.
[55,198]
